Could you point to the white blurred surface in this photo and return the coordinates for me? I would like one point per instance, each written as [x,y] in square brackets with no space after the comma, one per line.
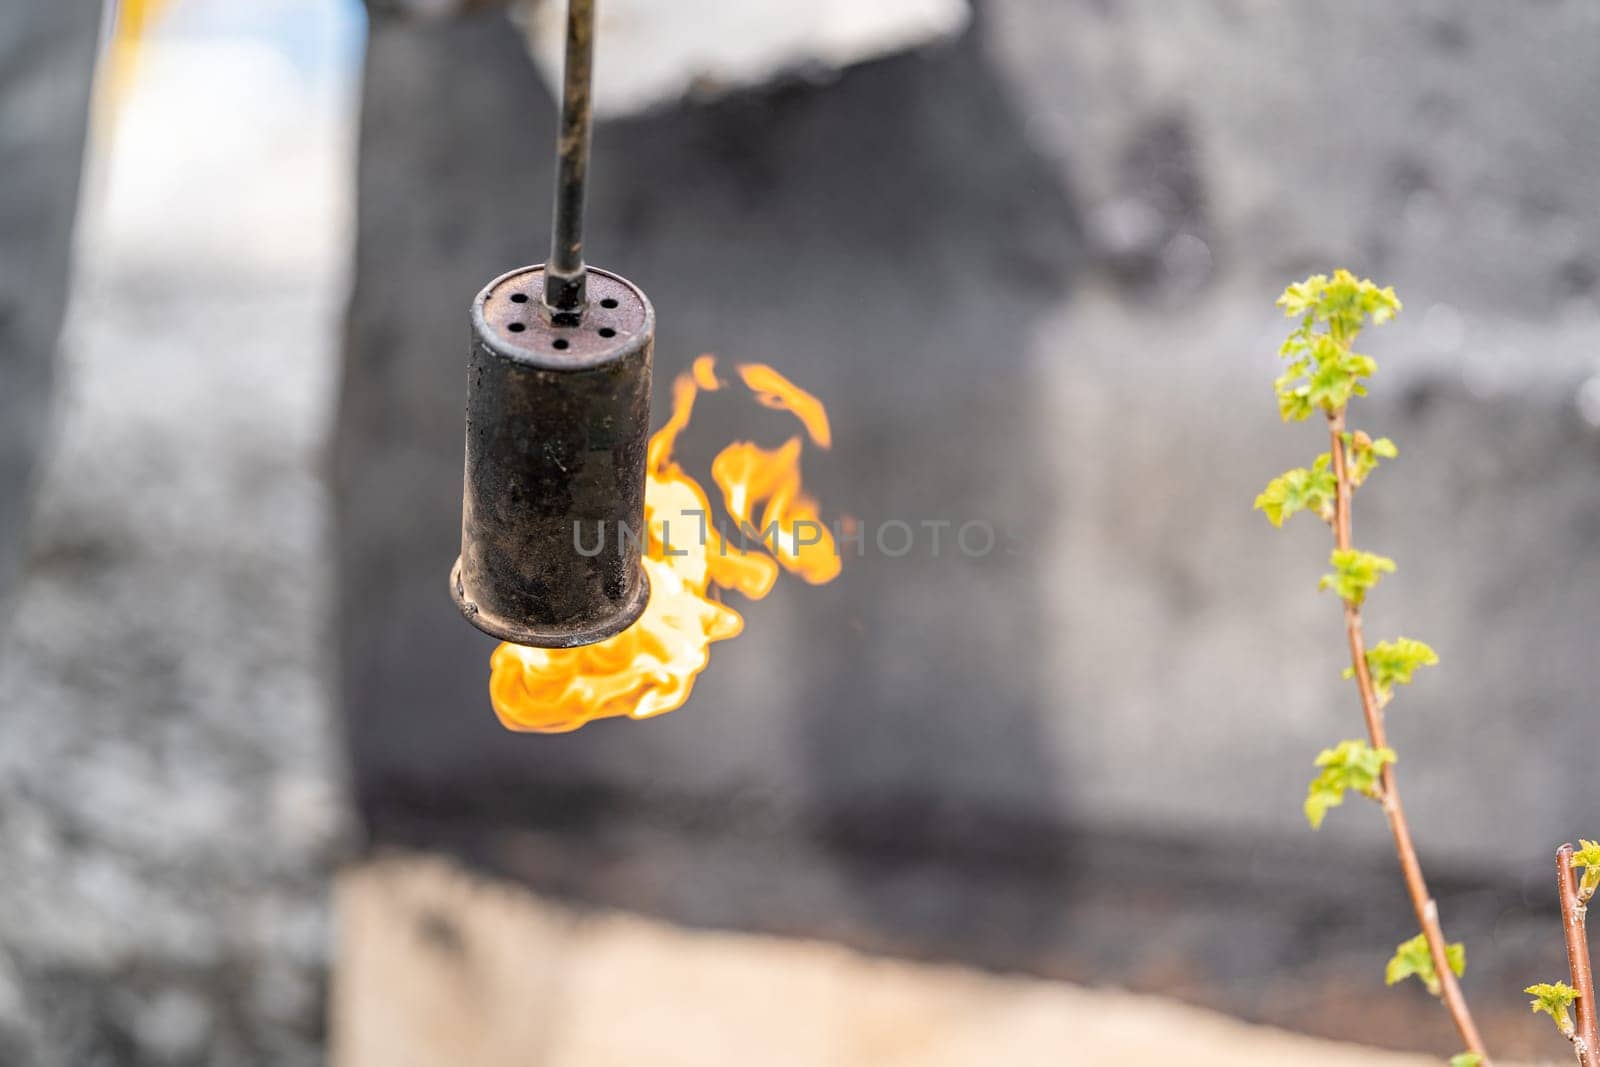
[649,53]
[231,156]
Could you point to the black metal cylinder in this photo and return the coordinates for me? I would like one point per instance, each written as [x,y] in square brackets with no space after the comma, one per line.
[558,421]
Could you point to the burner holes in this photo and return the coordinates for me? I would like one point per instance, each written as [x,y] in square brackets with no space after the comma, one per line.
[560,344]
[519,298]
[608,302]
[516,327]
[606,331]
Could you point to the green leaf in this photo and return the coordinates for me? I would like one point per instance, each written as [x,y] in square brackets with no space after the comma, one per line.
[1294,392]
[1300,490]
[1414,959]
[1301,298]
[1467,1059]
[1351,765]
[1294,404]
[1343,301]
[1338,374]
[1362,454]
[1553,999]
[1354,573]
[1323,372]
[1391,663]
[1587,857]
[1298,340]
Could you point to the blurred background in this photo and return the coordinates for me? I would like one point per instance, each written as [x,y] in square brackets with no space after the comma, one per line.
[1036,805]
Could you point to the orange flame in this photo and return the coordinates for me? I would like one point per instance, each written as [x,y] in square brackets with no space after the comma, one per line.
[650,668]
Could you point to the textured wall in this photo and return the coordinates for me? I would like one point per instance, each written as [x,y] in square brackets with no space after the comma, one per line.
[1441,149]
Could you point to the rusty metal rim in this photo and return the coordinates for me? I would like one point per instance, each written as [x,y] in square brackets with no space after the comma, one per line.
[496,626]
[529,357]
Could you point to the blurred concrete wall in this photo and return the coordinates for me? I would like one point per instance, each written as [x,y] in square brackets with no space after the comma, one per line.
[1441,148]
[46,53]
[1031,274]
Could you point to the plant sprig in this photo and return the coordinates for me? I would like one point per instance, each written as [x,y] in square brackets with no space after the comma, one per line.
[1353,765]
[1587,856]
[1558,999]
[1554,999]
[1413,959]
[1392,663]
[1301,489]
[1323,373]
[1355,573]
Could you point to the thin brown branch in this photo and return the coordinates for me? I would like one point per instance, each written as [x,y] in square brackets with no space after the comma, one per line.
[1574,916]
[1411,868]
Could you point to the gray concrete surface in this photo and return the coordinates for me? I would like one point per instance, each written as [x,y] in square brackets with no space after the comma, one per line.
[1032,276]
[166,765]
[1438,147]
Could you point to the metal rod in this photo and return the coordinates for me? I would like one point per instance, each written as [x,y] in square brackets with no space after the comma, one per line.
[565,289]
